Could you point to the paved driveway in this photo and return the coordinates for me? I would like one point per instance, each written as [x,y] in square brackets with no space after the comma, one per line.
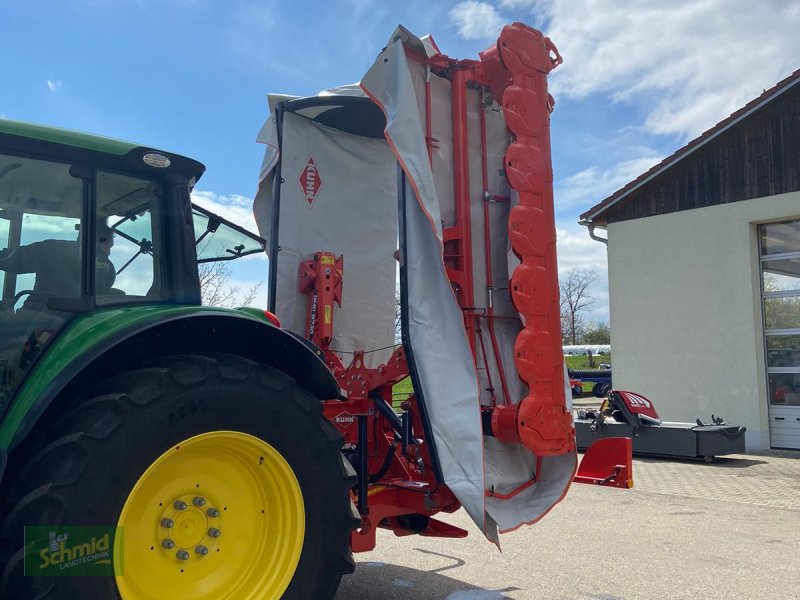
[729,529]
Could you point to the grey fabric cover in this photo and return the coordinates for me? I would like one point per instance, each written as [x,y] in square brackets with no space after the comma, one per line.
[354,214]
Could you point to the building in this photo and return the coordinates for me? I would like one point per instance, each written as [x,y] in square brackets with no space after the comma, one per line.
[704,274]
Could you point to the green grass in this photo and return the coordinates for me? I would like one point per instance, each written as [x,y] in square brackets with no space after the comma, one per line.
[581,363]
[403,387]
[401,390]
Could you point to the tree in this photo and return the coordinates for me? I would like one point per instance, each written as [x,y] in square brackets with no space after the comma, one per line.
[780,312]
[575,299]
[214,288]
[572,329]
[398,316]
[597,333]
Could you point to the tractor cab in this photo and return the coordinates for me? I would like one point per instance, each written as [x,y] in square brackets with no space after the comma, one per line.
[88,223]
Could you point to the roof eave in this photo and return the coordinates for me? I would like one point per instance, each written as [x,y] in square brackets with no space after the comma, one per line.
[596,211]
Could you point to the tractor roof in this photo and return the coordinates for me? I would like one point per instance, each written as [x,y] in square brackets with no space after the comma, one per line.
[93,143]
[66,137]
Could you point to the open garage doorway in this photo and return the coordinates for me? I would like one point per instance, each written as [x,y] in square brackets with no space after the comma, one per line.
[780,287]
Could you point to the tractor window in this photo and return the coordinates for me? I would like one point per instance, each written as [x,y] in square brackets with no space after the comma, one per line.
[40,258]
[126,265]
[217,239]
[40,202]
[47,229]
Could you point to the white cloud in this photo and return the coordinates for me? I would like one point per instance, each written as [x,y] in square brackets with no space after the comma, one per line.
[576,249]
[690,63]
[236,209]
[518,3]
[54,85]
[477,20]
[588,187]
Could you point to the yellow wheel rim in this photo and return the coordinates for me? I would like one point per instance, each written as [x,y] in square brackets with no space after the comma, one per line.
[218,516]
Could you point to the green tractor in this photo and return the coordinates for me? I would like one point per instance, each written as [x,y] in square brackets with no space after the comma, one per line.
[193,434]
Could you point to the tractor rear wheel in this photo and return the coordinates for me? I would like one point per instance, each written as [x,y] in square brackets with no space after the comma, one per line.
[226,481]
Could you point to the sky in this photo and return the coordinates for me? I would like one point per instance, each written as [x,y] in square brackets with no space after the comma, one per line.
[639,79]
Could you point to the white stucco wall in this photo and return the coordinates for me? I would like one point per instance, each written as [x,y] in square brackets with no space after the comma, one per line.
[686,325]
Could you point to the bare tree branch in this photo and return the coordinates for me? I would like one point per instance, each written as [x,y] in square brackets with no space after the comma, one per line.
[574,300]
[214,288]
[398,324]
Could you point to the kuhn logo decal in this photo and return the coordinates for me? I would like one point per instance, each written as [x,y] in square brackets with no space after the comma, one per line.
[344,419]
[310,180]
[639,401]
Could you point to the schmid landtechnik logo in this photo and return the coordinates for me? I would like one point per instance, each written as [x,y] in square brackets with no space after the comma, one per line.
[73,550]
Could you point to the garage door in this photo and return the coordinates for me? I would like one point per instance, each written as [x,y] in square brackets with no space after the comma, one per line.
[780,284]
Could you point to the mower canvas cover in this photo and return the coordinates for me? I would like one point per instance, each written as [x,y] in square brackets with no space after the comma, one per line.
[343,155]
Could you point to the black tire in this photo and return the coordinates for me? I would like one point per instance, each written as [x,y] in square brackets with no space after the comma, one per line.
[601,390]
[98,448]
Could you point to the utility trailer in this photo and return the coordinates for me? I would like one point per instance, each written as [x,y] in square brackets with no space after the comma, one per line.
[173,450]
[601,378]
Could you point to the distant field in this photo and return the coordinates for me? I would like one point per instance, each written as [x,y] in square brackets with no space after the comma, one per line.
[402,390]
[581,363]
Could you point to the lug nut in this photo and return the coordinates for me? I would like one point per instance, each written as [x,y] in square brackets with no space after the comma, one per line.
[182,555]
[167,523]
[179,505]
[201,550]
[213,513]
[198,501]
[168,544]
[214,532]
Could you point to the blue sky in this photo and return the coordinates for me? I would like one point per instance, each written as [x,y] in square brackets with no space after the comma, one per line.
[640,78]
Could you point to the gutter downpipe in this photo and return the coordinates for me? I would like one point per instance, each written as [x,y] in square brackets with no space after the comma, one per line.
[591,227]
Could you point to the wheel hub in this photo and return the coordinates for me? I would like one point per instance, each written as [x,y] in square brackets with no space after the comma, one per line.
[187,525]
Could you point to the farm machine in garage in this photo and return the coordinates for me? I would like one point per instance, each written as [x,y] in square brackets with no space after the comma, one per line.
[174,450]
